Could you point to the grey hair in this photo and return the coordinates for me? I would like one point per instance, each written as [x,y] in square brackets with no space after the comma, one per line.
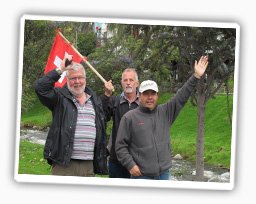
[74,67]
[131,70]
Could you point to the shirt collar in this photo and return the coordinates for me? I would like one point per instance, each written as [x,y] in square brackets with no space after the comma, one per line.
[87,98]
[123,98]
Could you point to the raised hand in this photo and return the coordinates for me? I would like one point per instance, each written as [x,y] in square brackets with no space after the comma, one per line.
[200,66]
[63,65]
[108,88]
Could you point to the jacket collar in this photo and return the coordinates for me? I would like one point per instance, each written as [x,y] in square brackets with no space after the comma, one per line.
[147,110]
[123,98]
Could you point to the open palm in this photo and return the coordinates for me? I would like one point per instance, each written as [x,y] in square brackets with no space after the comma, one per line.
[201,66]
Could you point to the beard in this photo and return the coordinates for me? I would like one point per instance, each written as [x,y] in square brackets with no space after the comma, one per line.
[128,90]
[76,91]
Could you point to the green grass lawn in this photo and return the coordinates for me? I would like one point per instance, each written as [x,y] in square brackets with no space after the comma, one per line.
[218,135]
[38,115]
[31,159]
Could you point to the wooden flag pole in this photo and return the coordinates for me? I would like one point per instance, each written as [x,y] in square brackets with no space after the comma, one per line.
[89,65]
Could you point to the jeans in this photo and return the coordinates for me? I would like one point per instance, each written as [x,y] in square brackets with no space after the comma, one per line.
[117,171]
[163,176]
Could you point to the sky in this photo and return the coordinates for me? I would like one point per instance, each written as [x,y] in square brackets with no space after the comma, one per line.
[237,12]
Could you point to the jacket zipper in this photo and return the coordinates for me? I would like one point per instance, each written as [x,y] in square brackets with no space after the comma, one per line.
[154,140]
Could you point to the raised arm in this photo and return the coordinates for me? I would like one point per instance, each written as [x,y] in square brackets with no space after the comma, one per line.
[174,106]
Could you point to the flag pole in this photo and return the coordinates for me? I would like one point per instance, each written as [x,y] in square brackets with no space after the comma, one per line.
[89,65]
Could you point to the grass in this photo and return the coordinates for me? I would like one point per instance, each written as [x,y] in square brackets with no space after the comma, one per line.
[218,132]
[183,135]
[31,159]
[38,115]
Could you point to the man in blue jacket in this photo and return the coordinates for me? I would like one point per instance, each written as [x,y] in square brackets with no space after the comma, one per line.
[76,141]
[143,138]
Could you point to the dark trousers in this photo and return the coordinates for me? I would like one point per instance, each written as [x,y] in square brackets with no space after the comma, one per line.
[117,171]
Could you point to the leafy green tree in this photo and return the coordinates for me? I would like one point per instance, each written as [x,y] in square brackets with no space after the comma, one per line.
[86,43]
[219,44]
[36,49]
[135,46]
[38,39]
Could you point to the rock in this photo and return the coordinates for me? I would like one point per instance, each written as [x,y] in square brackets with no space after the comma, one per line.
[178,157]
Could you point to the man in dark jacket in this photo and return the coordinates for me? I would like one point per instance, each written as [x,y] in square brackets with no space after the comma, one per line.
[76,142]
[116,107]
[143,138]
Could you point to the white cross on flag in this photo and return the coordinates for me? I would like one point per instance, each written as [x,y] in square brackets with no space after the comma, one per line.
[59,48]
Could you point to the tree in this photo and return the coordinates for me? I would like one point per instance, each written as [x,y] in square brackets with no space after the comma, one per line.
[38,39]
[36,49]
[219,45]
[138,46]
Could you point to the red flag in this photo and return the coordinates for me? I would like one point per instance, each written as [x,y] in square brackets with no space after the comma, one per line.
[59,48]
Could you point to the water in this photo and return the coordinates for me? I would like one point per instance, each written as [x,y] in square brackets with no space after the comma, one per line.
[34,136]
[181,170]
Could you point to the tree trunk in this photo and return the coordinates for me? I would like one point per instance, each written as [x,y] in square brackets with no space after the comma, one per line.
[200,132]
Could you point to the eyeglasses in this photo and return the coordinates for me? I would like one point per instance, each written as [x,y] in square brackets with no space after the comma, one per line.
[73,79]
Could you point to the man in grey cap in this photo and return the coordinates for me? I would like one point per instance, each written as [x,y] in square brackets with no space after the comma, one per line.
[143,138]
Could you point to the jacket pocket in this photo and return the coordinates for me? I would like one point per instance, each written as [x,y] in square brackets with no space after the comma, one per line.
[146,159]
[164,153]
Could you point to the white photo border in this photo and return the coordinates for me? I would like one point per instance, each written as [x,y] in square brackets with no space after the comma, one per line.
[50,179]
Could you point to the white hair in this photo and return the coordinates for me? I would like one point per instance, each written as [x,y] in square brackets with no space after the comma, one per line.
[74,67]
[131,70]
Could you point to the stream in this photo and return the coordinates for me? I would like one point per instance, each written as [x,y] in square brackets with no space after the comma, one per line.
[181,170]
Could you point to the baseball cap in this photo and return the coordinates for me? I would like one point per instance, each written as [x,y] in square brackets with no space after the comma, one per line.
[148,85]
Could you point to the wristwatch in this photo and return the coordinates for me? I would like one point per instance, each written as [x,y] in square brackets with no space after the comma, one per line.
[58,70]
